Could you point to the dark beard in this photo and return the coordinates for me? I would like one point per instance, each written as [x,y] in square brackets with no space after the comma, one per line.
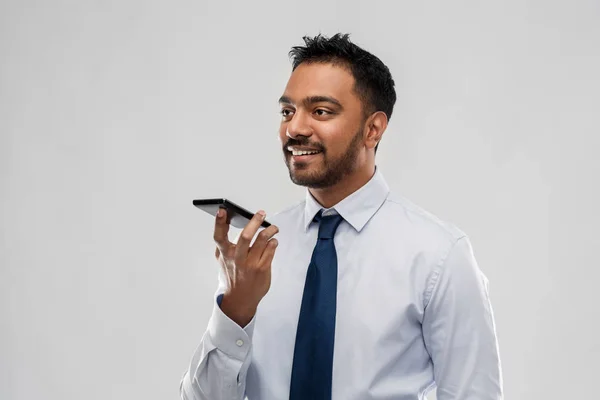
[333,170]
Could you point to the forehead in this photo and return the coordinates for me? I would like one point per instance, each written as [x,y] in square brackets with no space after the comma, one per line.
[321,79]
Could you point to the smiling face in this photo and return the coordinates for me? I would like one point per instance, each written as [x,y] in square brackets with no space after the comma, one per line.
[322,126]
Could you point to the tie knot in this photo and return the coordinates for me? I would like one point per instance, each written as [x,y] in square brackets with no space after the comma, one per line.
[327,224]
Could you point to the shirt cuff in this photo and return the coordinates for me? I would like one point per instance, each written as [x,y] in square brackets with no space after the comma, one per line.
[228,336]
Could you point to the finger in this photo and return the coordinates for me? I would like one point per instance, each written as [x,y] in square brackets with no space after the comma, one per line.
[221,231]
[259,244]
[248,233]
[267,256]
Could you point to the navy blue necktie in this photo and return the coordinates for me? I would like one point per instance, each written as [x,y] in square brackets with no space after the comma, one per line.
[313,352]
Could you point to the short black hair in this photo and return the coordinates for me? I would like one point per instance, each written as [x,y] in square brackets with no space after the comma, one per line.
[373,81]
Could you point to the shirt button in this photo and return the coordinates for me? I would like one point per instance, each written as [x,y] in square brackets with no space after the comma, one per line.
[240,342]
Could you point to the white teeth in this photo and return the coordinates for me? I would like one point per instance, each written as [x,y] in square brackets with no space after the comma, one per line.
[302,153]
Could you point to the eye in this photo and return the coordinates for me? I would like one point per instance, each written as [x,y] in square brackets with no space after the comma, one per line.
[284,111]
[322,111]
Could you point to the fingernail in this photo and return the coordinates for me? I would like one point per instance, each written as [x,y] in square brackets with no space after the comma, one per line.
[220,212]
[263,214]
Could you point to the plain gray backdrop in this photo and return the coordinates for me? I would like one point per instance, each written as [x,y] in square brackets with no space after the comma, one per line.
[114,115]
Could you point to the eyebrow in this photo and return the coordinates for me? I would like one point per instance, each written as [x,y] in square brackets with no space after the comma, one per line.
[311,100]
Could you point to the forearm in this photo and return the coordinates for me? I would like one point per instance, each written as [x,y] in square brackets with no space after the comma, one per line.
[219,365]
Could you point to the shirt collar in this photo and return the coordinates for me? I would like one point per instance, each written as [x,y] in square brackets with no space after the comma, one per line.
[358,207]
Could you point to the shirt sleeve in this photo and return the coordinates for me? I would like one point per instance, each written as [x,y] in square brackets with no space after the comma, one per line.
[219,365]
[459,329]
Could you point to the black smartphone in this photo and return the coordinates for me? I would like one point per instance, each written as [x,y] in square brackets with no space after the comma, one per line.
[237,215]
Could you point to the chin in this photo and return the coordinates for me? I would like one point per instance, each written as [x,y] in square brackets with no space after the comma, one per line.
[304,177]
[311,175]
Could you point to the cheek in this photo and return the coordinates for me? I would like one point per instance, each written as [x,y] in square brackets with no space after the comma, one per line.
[335,140]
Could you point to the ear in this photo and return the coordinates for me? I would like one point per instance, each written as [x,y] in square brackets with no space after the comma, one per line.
[375,126]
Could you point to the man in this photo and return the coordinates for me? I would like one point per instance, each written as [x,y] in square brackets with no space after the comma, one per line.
[363,295]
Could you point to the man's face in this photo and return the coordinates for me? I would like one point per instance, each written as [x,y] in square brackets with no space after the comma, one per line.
[334,131]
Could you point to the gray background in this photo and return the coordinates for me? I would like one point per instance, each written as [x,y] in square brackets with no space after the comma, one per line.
[114,115]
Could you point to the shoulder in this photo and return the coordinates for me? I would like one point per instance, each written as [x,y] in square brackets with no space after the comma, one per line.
[427,229]
[434,244]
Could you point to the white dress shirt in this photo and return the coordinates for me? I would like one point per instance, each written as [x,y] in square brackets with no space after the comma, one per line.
[413,311]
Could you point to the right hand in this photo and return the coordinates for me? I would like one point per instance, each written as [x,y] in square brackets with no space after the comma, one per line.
[248,269]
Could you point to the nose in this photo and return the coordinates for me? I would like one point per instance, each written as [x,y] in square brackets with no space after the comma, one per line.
[298,125]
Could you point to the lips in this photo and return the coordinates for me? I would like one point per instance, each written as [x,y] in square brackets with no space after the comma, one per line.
[300,155]
[305,157]
[299,151]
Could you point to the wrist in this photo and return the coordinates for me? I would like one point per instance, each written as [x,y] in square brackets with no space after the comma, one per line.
[239,312]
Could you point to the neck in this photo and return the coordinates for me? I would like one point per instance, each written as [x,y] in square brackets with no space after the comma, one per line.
[330,196]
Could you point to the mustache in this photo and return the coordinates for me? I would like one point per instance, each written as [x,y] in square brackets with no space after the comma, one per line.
[304,143]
